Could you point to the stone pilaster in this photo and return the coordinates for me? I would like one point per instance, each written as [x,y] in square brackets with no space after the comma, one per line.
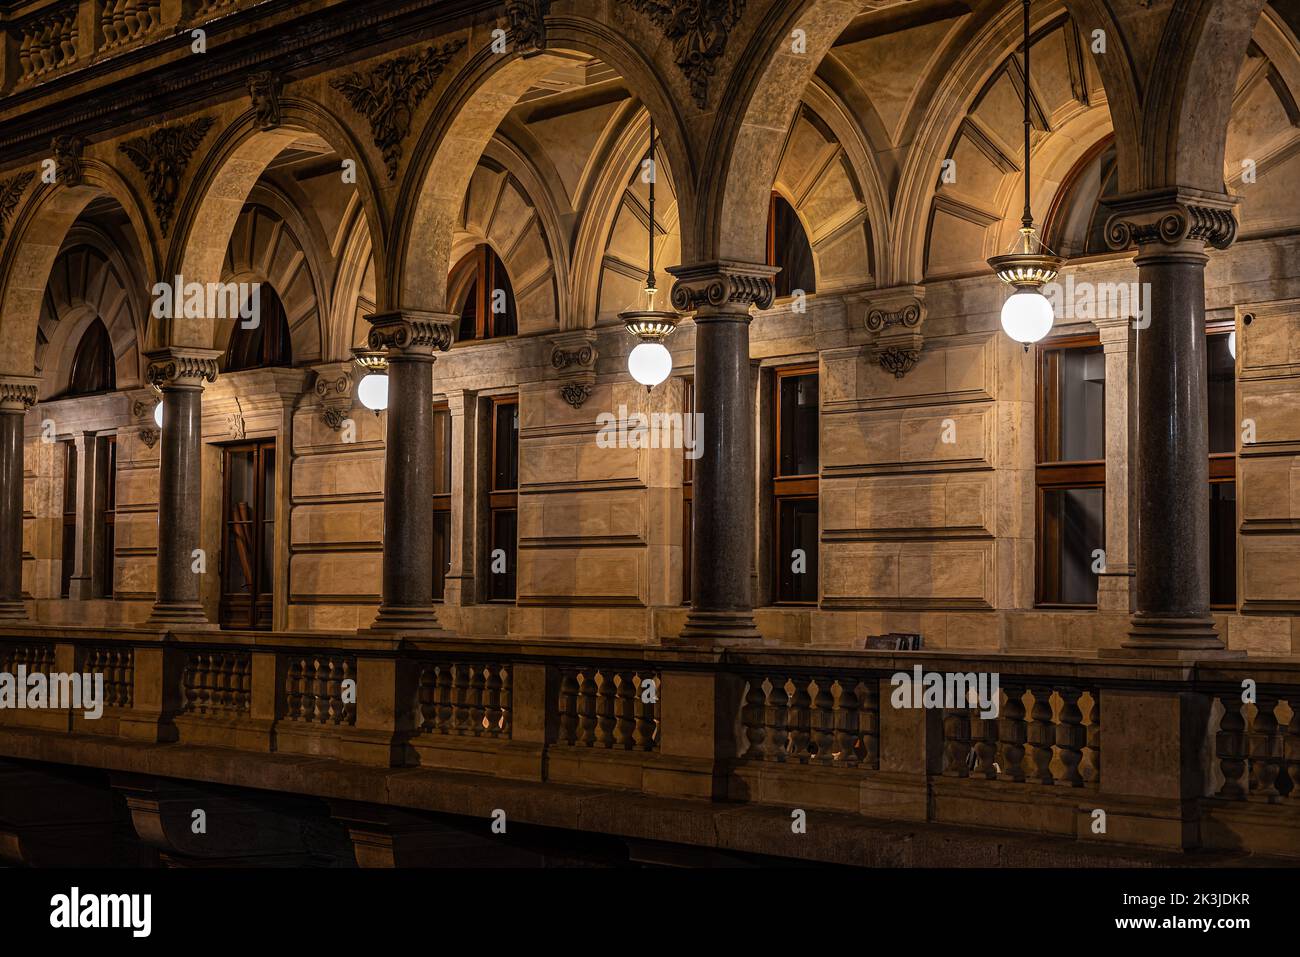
[17,395]
[1115,588]
[1171,229]
[180,374]
[465,449]
[720,295]
[411,340]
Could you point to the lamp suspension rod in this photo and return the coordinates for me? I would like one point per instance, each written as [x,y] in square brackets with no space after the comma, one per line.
[1028,220]
[654,174]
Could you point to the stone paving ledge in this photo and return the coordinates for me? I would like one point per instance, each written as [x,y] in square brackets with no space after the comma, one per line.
[832,837]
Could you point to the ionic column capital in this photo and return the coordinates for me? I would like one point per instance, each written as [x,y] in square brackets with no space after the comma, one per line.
[723,288]
[181,368]
[1173,217]
[18,392]
[408,333]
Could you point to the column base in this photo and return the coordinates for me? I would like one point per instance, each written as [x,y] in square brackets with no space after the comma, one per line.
[1176,639]
[407,619]
[719,628]
[179,614]
[13,610]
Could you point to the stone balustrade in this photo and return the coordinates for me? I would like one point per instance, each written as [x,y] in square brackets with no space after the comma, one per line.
[1190,762]
[47,39]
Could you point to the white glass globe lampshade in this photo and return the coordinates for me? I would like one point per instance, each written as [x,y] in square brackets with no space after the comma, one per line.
[157,413]
[650,363]
[1232,344]
[372,390]
[1027,316]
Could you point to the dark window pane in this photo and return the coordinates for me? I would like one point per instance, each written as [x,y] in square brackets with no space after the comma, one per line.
[1074,392]
[93,367]
[501,584]
[789,248]
[1073,528]
[441,553]
[800,400]
[266,345]
[1222,388]
[506,460]
[469,313]
[501,298]
[797,554]
[1223,543]
[107,557]
[69,555]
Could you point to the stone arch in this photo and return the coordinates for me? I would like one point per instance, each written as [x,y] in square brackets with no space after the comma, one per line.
[89,280]
[352,296]
[818,177]
[519,223]
[37,234]
[972,193]
[466,117]
[609,259]
[265,247]
[760,103]
[216,197]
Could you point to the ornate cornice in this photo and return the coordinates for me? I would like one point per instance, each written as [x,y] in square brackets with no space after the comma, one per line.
[722,284]
[182,368]
[389,93]
[264,90]
[11,190]
[18,393]
[411,333]
[66,150]
[162,156]
[1171,218]
[528,23]
[699,30]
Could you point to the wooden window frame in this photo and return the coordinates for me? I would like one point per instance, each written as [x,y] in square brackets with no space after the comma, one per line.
[1057,476]
[482,261]
[68,551]
[1223,465]
[258,523]
[500,501]
[442,500]
[789,488]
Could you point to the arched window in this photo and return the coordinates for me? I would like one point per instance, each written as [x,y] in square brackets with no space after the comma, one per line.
[788,247]
[1076,225]
[93,368]
[483,296]
[266,345]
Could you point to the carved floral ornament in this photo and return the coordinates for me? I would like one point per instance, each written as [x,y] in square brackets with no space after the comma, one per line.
[162,156]
[11,190]
[17,392]
[389,93]
[169,368]
[699,30]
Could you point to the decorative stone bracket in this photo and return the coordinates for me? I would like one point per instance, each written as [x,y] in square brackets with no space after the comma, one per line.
[573,356]
[894,318]
[142,405]
[334,384]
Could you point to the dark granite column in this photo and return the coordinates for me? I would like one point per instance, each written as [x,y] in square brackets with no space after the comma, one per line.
[17,395]
[722,542]
[1171,477]
[411,340]
[180,374]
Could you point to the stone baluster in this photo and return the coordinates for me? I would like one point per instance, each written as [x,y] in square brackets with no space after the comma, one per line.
[800,720]
[1291,747]
[646,711]
[847,723]
[984,743]
[442,690]
[460,698]
[1230,746]
[625,712]
[751,716]
[568,730]
[1093,772]
[1042,735]
[778,722]
[1265,751]
[869,723]
[823,722]
[492,699]
[587,708]
[1070,737]
[956,742]
[476,708]
[1012,734]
